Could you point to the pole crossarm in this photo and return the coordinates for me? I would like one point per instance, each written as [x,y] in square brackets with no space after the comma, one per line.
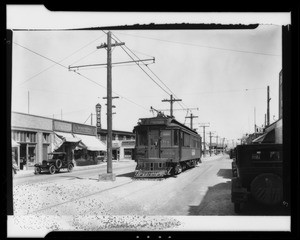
[105,64]
[171,100]
[191,117]
[104,45]
[179,109]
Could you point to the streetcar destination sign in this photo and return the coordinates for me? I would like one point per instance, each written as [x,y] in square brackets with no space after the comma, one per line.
[149,173]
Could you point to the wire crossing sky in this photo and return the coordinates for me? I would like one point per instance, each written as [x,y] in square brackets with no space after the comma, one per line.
[223,73]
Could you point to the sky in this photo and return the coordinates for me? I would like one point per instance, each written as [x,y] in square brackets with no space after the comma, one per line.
[222,73]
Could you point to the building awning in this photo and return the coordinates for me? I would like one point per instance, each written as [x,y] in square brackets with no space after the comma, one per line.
[268,137]
[14,143]
[91,142]
[67,137]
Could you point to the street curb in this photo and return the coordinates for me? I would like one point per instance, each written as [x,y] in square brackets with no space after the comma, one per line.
[30,173]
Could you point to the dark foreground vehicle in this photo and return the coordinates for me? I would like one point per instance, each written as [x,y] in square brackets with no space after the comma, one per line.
[55,162]
[258,175]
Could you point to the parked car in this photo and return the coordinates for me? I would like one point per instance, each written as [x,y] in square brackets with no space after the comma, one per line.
[258,175]
[55,162]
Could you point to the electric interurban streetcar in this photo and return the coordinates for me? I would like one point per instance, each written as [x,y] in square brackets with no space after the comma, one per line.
[165,147]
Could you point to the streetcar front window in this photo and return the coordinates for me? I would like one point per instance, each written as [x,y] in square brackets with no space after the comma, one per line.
[142,138]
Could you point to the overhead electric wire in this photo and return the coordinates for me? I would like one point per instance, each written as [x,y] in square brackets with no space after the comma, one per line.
[60,60]
[197,45]
[87,78]
[151,71]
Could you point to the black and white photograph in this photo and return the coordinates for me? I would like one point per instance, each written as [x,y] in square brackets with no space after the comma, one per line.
[164,122]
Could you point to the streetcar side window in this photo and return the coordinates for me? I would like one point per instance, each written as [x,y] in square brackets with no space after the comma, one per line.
[142,138]
[165,138]
[175,137]
[151,166]
[186,140]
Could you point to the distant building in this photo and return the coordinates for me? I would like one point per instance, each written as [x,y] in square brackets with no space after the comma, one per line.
[36,136]
[123,143]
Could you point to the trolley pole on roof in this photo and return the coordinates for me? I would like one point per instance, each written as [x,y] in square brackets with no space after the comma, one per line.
[109,175]
[171,103]
[204,125]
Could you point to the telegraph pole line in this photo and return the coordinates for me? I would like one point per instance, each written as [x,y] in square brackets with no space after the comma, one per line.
[171,103]
[204,126]
[210,136]
[191,117]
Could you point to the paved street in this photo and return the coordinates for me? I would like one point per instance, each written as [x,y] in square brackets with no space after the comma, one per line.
[203,190]
[77,200]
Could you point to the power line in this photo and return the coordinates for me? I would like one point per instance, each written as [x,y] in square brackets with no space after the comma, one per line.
[197,45]
[80,75]
[60,60]
[172,93]
[145,72]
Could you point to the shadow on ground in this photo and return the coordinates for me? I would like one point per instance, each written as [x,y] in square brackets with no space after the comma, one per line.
[217,201]
[225,173]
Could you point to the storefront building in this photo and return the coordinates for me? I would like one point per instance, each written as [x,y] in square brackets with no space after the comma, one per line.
[122,145]
[35,136]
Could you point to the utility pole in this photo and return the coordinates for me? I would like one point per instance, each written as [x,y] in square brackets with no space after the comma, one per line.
[28,102]
[108,46]
[109,175]
[268,106]
[171,103]
[210,136]
[191,117]
[255,121]
[204,126]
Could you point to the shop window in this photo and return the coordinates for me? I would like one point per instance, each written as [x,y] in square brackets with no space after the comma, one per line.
[127,153]
[46,137]
[16,136]
[31,155]
[165,138]
[103,138]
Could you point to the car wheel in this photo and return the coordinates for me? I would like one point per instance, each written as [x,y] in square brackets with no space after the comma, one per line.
[37,170]
[52,169]
[70,167]
[58,163]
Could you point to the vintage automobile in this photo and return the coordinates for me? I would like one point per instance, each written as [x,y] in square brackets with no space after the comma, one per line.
[55,162]
[258,175]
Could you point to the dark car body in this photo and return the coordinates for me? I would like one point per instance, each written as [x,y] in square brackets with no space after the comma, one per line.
[257,174]
[55,162]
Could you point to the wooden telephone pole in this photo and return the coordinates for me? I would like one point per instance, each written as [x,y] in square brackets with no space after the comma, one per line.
[204,126]
[171,103]
[109,175]
[210,136]
[191,117]
[109,97]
